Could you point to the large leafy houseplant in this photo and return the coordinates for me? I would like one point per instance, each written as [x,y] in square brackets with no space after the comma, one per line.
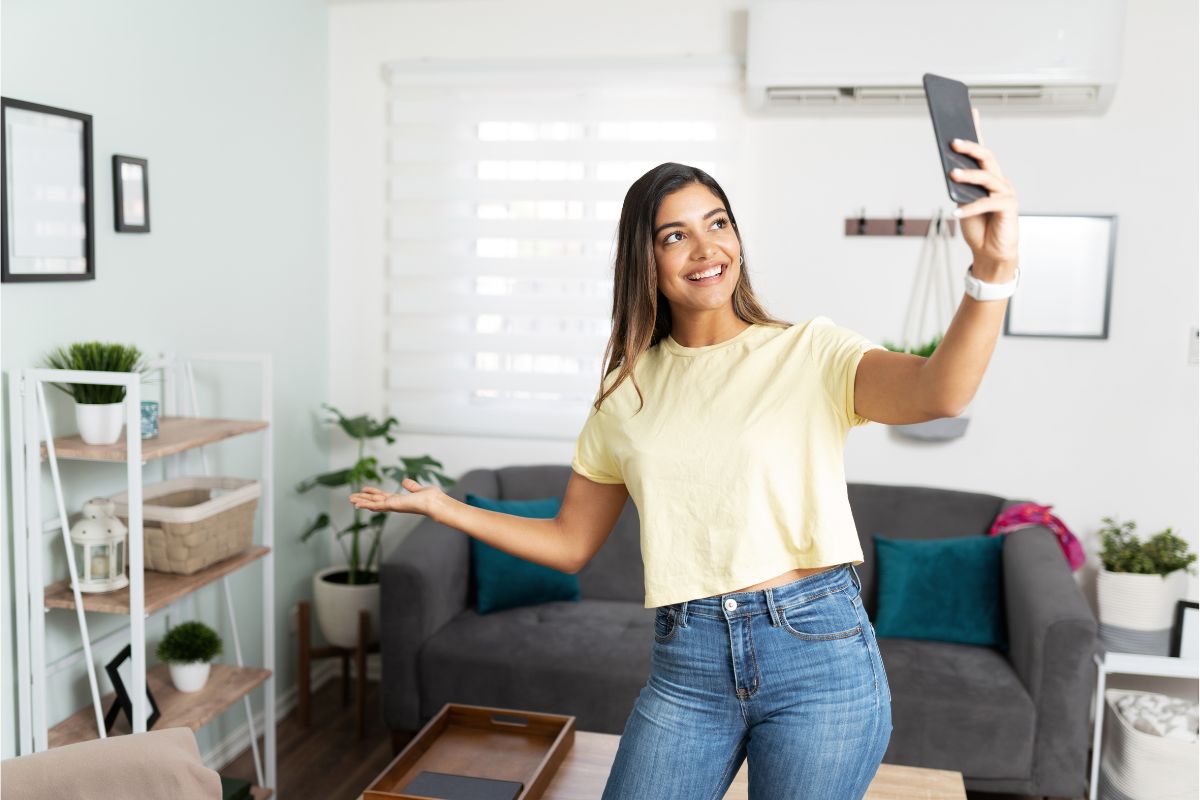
[362,566]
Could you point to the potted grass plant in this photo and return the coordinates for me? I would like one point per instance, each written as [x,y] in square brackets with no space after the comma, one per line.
[341,591]
[934,429]
[188,650]
[1138,585]
[99,409]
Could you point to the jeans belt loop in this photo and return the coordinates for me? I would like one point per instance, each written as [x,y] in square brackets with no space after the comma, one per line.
[681,614]
[772,612]
[857,580]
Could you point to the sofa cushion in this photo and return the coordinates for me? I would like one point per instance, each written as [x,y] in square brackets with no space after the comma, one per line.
[950,590]
[959,707]
[162,763]
[505,581]
[588,659]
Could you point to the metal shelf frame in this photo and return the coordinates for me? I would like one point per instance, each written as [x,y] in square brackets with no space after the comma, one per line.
[29,428]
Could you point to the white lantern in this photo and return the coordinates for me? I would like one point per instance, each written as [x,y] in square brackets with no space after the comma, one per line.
[100,540]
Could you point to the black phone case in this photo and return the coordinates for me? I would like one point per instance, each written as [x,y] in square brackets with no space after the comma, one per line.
[950,110]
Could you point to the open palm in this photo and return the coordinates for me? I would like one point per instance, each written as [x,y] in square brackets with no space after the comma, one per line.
[418,500]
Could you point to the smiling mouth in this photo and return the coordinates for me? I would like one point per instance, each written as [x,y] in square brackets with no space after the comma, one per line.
[711,279]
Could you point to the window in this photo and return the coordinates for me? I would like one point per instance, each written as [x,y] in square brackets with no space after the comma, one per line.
[504,187]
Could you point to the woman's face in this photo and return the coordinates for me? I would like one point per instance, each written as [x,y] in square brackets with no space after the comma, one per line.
[693,236]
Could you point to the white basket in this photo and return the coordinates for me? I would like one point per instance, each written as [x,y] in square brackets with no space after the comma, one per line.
[196,522]
[1141,766]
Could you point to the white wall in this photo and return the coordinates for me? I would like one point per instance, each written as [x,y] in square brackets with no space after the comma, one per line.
[228,101]
[1090,427]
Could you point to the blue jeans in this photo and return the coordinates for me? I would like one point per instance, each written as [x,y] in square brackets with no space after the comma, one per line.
[789,678]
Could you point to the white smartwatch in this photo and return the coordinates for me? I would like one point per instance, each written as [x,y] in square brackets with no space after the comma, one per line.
[982,290]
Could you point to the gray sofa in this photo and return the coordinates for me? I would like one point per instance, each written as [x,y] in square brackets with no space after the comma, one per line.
[1014,723]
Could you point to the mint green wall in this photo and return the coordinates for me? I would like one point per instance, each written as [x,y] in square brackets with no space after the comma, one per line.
[228,101]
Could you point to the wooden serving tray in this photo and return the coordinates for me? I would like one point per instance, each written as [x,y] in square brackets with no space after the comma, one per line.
[482,742]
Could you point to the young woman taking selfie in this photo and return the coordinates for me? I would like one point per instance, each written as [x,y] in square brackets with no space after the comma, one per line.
[727,428]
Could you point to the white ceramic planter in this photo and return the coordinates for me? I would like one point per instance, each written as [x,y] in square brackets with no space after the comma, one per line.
[100,423]
[1137,611]
[189,677]
[338,605]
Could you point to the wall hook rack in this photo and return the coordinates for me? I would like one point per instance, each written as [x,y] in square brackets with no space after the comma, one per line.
[892,226]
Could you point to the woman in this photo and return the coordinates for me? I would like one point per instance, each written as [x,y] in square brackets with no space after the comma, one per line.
[727,427]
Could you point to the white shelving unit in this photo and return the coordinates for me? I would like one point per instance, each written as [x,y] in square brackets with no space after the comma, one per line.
[1128,664]
[149,593]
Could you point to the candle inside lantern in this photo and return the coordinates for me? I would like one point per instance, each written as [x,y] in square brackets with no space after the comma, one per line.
[100,565]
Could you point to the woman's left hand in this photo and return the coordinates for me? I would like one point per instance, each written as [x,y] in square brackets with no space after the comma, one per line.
[989,225]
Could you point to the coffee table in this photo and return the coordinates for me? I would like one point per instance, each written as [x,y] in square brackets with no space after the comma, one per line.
[585,769]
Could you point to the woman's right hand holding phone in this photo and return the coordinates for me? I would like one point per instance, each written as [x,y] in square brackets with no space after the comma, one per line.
[418,500]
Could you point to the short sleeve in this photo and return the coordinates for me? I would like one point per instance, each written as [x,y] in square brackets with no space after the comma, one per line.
[837,351]
[593,457]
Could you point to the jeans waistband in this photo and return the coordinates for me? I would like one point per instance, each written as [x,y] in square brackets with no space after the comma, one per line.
[767,601]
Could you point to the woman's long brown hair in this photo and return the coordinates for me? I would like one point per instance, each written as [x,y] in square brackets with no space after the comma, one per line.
[641,315]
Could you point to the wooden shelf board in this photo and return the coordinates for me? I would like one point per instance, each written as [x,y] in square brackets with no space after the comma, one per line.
[175,434]
[226,685]
[161,589]
[260,792]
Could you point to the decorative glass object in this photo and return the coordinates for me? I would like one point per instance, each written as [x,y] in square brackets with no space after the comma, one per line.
[101,541]
[149,419]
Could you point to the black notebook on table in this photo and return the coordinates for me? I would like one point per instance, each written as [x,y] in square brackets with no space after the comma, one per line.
[461,787]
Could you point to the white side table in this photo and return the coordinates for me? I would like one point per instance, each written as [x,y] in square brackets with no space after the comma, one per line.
[1129,664]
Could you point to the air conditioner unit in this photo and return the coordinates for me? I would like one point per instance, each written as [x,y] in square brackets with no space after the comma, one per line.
[862,55]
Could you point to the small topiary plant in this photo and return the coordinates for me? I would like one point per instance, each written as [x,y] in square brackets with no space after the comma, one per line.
[1162,554]
[189,642]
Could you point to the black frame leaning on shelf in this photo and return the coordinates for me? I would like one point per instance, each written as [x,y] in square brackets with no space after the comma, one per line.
[122,702]
[127,216]
[23,257]
[1183,618]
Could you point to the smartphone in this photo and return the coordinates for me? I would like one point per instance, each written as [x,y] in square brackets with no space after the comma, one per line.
[950,109]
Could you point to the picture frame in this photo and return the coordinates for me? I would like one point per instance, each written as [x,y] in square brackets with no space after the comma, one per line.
[1185,631]
[131,194]
[47,207]
[1066,263]
[119,672]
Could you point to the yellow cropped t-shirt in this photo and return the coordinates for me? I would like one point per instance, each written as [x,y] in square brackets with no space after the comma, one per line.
[735,461]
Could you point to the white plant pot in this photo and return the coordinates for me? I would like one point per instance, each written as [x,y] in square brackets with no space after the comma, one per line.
[100,423]
[1137,611]
[189,676]
[338,605]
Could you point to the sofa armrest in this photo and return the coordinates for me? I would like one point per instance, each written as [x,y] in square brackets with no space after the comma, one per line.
[1052,636]
[423,584]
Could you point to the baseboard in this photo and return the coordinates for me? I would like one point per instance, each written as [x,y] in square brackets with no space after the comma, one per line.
[237,741]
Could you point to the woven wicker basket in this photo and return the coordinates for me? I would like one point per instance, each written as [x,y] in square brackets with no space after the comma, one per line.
[186,528]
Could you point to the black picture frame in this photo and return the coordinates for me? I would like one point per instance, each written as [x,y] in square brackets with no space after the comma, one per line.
[122,702]
[131,178]
[23,260]
[1181,616]
[1042,305]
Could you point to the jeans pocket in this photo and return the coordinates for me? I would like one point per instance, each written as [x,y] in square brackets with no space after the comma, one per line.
[665,624]
[830,616]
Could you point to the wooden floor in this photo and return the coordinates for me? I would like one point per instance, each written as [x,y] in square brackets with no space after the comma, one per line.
[328,762]
[325,761]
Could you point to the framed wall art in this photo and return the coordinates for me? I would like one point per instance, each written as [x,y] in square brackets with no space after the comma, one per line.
[131,194]
[1066,276]
[47,204]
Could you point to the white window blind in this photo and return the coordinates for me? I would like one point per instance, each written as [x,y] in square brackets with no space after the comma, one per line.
[504,187]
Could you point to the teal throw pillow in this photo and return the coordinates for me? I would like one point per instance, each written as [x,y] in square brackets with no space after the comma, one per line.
[945,589]
[505,581]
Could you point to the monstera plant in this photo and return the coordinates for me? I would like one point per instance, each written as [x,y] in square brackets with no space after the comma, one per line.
[341,591]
